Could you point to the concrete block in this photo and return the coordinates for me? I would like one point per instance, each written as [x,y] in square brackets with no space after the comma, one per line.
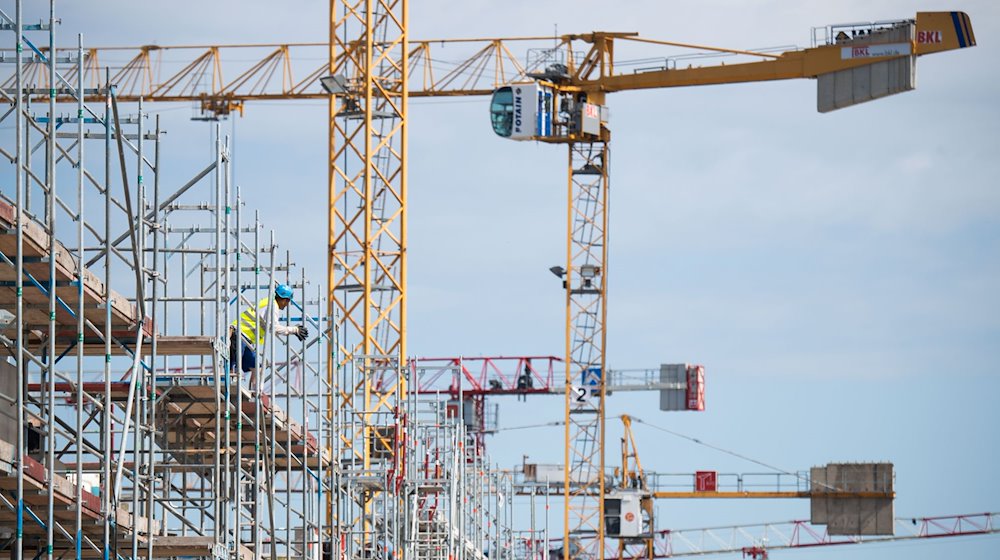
[673,399]
[852,515]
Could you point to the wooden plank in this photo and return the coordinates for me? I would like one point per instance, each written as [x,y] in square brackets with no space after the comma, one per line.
[202,406]
[119,389]
[36,244]
[185,345]
[173,546]
[165,345]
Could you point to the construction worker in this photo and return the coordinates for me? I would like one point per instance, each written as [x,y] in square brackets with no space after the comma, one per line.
[252,325]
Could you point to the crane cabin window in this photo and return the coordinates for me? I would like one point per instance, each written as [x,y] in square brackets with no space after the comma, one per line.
[502,111]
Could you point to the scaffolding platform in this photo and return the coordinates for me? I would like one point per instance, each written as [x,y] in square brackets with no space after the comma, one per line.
[119,389]
[163,547]
[64,491]
[124,315]
[180,546]
[165,345]
[190,411]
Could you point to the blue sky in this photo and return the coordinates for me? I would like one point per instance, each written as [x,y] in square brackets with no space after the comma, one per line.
[836,274]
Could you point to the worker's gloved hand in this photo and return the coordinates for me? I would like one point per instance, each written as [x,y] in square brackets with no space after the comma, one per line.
[301,332]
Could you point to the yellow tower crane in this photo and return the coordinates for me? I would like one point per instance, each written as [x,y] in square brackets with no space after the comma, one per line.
[565,103]
[372,70]
[366,258]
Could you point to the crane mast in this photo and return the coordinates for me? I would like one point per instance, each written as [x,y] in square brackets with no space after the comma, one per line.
[585,287]
[565,104]
[366,263]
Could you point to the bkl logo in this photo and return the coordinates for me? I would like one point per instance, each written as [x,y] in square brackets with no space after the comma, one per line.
[929,37]
[858,52]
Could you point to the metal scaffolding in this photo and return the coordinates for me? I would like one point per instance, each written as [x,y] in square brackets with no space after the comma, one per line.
[131,433]
[458,504]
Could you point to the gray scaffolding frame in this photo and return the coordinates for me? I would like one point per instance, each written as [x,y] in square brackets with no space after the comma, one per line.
[127,440]
[155,445]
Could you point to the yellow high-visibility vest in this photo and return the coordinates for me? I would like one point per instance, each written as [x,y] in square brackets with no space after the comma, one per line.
[248,323]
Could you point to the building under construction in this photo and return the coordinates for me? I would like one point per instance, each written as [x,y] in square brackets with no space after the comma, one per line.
[130,433]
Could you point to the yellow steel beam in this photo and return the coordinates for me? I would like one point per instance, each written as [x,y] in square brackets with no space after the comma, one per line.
[772,494]
[585,285]
[196,72]
[366,266]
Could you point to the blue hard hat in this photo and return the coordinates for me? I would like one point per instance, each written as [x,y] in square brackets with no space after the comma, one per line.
[283,291]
